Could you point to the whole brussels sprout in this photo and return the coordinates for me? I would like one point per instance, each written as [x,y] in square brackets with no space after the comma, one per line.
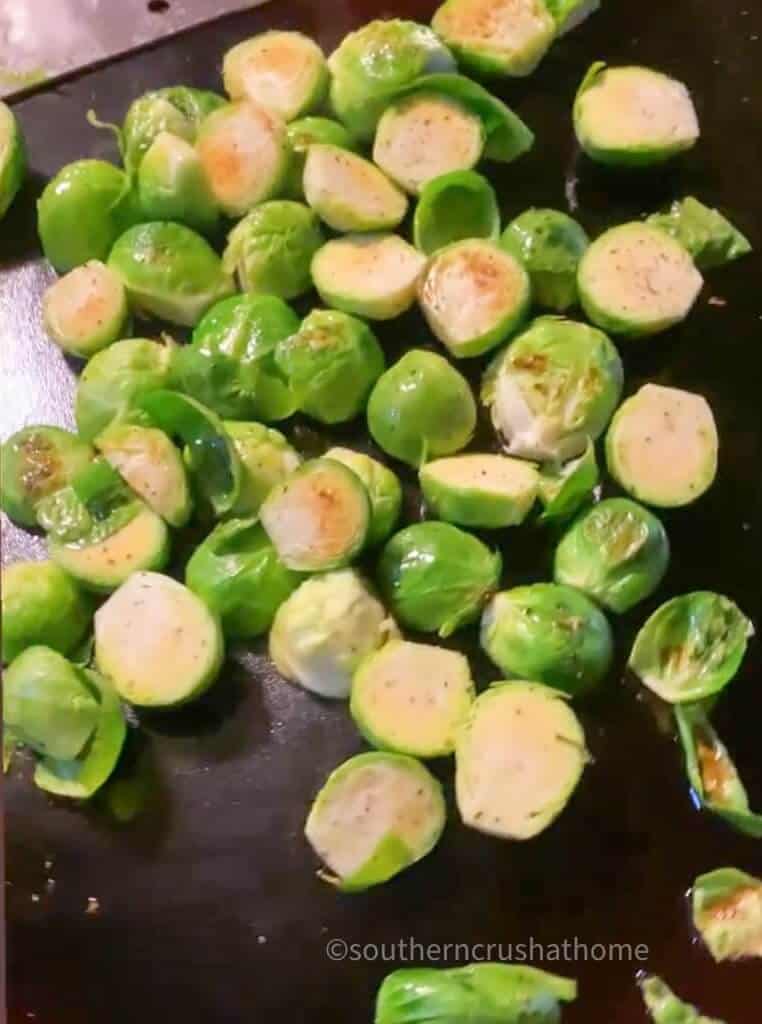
[266,460]
[550,245]
[550,633]
[454,207]
[178,109]
[284,71]
[172,185]
[12,157]
[41,604]
[306,132]
[36,462]
[383,487]
[271,249]
[437,578]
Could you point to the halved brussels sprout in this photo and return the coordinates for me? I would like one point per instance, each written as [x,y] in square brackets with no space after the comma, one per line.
[271,249]
[283,71]
[376,814]
[518,759]
[331,364]
[550,245]
[709,237]
[383,487]
[373,64]
[178,109]
[373,276]
[691,647]
[425,135]
[82,212]
[113,380]
[569,14]
[480,490]
[498,37]
[86,310]
[664,1007]
[12,157]
[172,185]
[633,116]
[266,460]
[454,207]
[36,462]
[662,446]
[727,913]
[41,605]
[237,573]
[437,578]
[349,192]
[230,363]
[553,389]
[318,518]
[564,490]
[550,633]
[617,553]
[474,295]
[636,280]
[169,271]
[323,631]
[306,132]
[157,642]
[421,408]
[245,154]
[412,698]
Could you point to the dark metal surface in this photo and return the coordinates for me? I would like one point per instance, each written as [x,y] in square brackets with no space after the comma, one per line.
[207,907]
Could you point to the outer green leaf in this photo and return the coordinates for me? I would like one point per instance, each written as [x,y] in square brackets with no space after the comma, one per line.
[709,237]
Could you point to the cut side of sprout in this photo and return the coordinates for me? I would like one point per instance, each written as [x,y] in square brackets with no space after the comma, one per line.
[283,71]
[373,276]
[503,37]
[172,184]
[350,193]
[86,310]
[480,490]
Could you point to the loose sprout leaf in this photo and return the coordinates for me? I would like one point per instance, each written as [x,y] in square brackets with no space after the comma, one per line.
[12,158]
[564,490]
[709,237]
[453,207]
[727,913]
[96,504]
[664,1007]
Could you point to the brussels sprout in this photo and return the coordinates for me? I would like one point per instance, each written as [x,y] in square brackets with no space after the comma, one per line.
[82,212]
[157,667]
[633,116]
[12,157]
[421,408]
[271,249]
[331,363]
[86,310]
[498,37]
[172,185]
[691,647]
[635,280]
[480,490]
[284,71]
[617,553]
[454,207]
[662,445]
[518,760]
[552,389]
[325,629]
[665,1008]
[36,462]
[373,64]
[550,633]
[425,135]
[375,815]
[383,487]
[169,271]
[437,578]
[47,703]
[230,364]
[564,490]
[318,518]
[373,276]
[41,605]
[266,460]
[113,380]
[349,192]
[709,237]
[245,154]
[412,698]
[569,14]
[474,295]
[237,573]
[550,245]
[727,913]
[306,132]
[177,109]
[711,772]
[481,991]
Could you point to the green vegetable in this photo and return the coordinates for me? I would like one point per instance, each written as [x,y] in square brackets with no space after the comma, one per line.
[322,632]
[437,578]
[304,133]
[376,814]
[177,109]
[86,310]
[709,237]
[421,408]
[550,245]
[564,490]
[691,647]
[172,185]
[497,37]
[488,491]
[34,463]
[12,157]
[331,364]
[617,553]
[383,487]
[569,14]
[727,913]
[454,207]
[283,71]
[266,460]
[41,605]
[665,1008]
[271,249]
[549,633]
[237,573]
[350,193]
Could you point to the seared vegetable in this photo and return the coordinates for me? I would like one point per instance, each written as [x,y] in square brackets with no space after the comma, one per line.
[173,185]
[709,237]
[383,487]
[550,245]
[350,193]
[266,460]
[727,913]
[283,71]
[178,110]
[34,463]
[454,207]
[306,132]
[41,605]
[501,37]
[564,490]
[86,310]
[665,1008]
[12,157]
[480,490]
